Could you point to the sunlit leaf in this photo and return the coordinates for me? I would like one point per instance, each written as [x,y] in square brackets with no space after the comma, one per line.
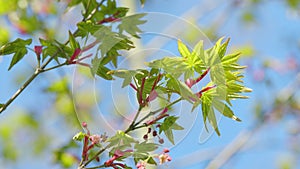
[121,138]
[172,65]
[183,50]
[212,120]
[73,43]
[225,110]
[168,122]
[100,70]
[85,28]
[169,135]
[79,136]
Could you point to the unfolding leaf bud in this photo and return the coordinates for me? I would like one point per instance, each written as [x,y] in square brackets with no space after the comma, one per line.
[38,50]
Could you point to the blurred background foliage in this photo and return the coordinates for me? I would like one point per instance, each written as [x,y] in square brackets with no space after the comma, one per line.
[36,130]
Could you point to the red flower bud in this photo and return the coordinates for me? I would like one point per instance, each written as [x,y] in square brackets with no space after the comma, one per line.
[145,137]
[154,133]
[38,50]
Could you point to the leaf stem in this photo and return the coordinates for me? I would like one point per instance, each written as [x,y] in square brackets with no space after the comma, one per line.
[94,157]
[54,67]
[100,166]
[135,126]
[131,126]
[140,99]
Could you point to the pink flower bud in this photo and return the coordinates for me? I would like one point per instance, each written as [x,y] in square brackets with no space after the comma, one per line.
[84,124]
[38,50]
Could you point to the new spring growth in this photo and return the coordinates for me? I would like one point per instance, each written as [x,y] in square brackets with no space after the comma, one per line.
[74,56]
[164,157]
[199,94]
[160,116]
[73,59]
[117,154]
[38,51]
[85,148]
[152,95]
[191,82]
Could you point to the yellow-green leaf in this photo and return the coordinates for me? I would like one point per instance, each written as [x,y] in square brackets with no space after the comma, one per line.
[225,110]
[183,50]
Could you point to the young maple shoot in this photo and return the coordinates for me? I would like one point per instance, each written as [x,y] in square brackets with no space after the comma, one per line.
[109,29]
[225,80]
[176,76]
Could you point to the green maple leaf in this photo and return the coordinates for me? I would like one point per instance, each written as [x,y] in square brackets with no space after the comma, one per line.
[127,75]
[145,147]
[169,124]
[120,139]
[18,48]
[130,24]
